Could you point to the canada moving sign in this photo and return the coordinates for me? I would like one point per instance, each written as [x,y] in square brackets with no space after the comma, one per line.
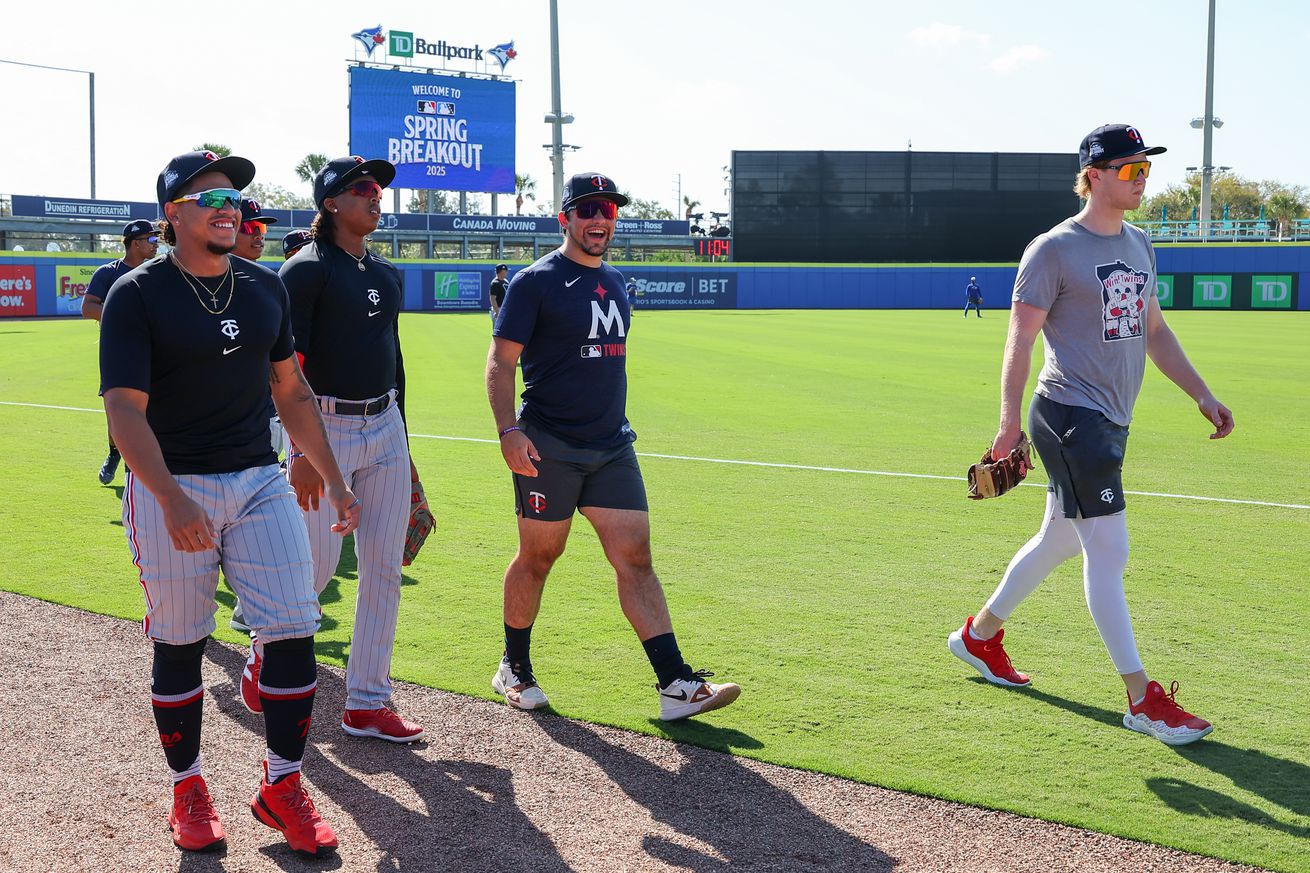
[17,291]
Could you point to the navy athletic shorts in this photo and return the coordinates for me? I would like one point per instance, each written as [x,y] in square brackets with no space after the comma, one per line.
[569,477]
[1083,453]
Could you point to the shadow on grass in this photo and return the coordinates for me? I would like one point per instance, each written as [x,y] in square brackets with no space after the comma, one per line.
[454,798]
[716,800]
[1281,781]
[1194,800]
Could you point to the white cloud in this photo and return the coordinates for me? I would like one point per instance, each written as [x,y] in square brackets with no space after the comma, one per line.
[940,35]
[1019,56]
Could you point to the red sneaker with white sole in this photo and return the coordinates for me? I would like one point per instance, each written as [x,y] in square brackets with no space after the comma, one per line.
[193,819]
[986,656]
[1160,716]
[250,681]
[285,806]
[383,724]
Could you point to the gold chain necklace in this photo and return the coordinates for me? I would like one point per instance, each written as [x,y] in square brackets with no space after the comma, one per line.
[192,281]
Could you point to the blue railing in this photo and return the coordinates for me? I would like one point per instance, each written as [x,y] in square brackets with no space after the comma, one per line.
[1228,230]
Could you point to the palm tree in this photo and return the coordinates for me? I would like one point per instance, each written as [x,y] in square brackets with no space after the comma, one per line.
[1284,208]
[524,185]
[689,205]
[309,166]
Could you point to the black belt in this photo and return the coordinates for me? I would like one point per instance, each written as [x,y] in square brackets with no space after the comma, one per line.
[362,407]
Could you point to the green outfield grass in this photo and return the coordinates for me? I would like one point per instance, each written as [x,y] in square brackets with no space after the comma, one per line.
[828,595]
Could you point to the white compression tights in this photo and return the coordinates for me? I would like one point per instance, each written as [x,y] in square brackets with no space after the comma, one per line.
[1103,542]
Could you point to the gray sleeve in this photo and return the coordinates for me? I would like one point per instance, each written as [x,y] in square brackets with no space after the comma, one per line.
[1039,278]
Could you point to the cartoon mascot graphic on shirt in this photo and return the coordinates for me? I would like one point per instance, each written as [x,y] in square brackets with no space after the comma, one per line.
[1123,300]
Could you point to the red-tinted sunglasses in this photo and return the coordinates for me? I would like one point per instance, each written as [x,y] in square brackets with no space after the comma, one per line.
[362,189]
[250,228]
[591,208]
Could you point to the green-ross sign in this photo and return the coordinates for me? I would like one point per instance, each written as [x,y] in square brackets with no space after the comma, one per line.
[1212,292]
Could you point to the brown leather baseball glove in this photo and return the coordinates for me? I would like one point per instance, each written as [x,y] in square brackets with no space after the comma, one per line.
[989,478]
[421,523]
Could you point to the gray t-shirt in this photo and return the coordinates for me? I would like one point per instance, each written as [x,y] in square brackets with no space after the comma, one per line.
[1096,291]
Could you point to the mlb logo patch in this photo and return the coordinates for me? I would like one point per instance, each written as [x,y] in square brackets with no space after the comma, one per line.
[592,351]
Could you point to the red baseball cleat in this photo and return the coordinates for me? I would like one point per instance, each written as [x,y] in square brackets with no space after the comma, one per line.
[193,820]
[1160,716]
[382,724]
[986,656]
[250,681]
[285,806]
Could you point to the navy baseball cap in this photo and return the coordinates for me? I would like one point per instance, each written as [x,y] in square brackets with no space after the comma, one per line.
[183,168]
[252,211]
[500,267]
[139,228]
[340,172]
[1110,142]
[294,240]
[590,185]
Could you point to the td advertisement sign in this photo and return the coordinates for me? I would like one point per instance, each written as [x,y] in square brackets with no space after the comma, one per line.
[684,289]
[1228,290]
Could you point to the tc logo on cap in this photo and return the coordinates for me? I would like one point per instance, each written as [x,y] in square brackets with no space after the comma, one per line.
[1134,135]
[210,156]
[254,205]
[600,182]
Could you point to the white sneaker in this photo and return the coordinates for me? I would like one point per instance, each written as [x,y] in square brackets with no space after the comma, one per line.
[520,692]
[238,622]
[684,697]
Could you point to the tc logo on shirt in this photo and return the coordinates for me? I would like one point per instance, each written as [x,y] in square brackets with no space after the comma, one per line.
[229,328]
[1123,300]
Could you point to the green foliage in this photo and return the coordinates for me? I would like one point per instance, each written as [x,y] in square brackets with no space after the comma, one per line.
[826,589]
[1243,198]
[524,189]
[689,206]
[309,166]
[221,150]
[272,196]
[432,201]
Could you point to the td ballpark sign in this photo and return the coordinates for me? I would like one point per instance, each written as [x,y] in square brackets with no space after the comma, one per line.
[403,44]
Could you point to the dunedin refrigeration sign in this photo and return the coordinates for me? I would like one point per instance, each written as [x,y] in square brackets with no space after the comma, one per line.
[442,132]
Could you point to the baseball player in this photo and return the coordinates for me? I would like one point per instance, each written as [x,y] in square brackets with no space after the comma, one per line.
[292,242]
[252,231]
[972,297]
[570,447]
[345,306]
[631,290]
[192,346]
[140,243]
[1088,285]
[496,293]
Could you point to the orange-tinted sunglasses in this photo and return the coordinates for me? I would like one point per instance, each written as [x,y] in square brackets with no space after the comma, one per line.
[250,228]
[1129,171]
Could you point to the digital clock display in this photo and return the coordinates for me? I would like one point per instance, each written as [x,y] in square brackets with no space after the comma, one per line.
[713,247]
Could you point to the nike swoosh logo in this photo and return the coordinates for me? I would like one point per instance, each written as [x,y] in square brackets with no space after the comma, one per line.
[571,284]
[230,351]
[681,695]
[371,314]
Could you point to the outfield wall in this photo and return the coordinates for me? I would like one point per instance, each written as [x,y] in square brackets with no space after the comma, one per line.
[1227,276]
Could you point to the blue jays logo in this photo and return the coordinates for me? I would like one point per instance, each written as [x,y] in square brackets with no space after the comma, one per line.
[503,54]
[370,38]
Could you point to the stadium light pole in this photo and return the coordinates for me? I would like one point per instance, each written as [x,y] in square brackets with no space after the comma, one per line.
[556,118]
[92,102]
[1207,123]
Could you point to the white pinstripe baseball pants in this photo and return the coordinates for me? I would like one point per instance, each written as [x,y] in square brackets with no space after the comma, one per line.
[373,454]
[262,549]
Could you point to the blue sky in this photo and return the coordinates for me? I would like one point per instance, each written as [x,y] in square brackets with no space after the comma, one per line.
[661,90]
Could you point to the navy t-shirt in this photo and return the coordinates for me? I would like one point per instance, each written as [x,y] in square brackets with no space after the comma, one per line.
[206,373]
[573,323]
[346,322]
[104,277]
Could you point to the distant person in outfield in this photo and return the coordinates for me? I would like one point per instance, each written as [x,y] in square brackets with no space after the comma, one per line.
[1088,285]
[294,241]
[499,285]
[253,230]
[140,243]
[972,297]
[631,290]
[570,447]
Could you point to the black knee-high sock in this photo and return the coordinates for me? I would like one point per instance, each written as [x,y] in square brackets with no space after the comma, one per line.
[287,683]
[665,658]
[518,644]
[177,696]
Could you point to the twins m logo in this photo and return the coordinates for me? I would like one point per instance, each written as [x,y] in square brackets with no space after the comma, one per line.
[610,319]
